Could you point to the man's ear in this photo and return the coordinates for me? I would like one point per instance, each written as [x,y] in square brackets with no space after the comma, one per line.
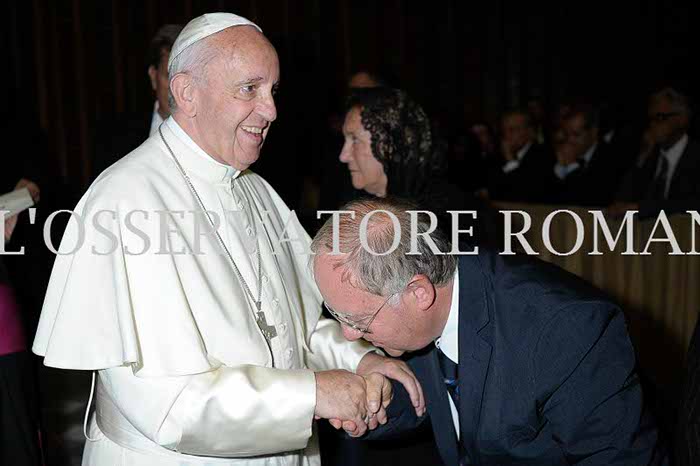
[152,74]
[421,292]
[183,88]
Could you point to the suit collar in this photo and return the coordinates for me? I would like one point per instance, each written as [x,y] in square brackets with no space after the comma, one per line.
[473,284]
[474,342]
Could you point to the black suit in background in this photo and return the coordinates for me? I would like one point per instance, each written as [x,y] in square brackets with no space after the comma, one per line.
[684,190]
[593,184]
[530,182]
[688,433]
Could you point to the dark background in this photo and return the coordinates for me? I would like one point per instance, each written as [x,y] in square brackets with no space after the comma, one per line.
[74,63]
[71,64]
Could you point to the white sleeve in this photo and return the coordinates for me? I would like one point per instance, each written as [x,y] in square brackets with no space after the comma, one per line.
[230,412]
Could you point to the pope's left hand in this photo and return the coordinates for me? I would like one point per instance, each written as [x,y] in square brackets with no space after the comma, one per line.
[397,370]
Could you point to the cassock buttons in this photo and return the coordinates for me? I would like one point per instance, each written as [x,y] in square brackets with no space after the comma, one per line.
[289,353]
[283,327]
[275,302]
[249,231]
[265,279]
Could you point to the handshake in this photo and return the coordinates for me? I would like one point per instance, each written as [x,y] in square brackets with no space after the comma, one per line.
[358,402]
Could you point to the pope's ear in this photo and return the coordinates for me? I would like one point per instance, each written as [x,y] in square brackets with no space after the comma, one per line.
[421,292]
[182,87]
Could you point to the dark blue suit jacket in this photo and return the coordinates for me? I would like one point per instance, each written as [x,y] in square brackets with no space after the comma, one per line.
[546,373]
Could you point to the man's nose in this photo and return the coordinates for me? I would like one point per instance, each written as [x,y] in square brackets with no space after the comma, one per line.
[267,109]
[350,333]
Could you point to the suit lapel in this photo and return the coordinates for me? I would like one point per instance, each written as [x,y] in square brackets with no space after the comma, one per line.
[474,348]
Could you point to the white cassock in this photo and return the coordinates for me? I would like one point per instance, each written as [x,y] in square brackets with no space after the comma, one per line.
[185,375]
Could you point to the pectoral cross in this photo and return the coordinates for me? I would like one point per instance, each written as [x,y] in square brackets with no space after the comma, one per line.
[268,331]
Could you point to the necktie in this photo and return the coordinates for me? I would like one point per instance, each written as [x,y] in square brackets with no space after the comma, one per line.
[658,187]
[450,371]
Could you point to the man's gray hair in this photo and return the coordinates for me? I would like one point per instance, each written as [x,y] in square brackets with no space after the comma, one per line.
[678,100]
[388,274]
[193,61]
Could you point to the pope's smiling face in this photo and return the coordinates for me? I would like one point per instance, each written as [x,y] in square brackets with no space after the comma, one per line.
[235,100]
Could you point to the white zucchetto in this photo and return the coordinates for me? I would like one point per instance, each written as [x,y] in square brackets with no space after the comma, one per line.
[204,26]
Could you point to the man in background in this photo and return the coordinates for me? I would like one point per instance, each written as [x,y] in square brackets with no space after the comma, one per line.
[586,172]
[668,168]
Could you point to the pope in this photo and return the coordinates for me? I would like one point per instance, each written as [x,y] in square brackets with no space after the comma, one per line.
[204,331]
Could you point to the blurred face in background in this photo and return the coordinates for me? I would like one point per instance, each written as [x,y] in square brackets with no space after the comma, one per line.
[667,123]
[483,135]
[365,170]
[159,83]
[362,79]
[516,131]
[578,135]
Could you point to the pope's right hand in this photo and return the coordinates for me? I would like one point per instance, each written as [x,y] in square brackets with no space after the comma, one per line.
[342,395]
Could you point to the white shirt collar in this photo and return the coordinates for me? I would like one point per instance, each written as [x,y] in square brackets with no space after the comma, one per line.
[227,171]
[523,150]
[448,342]
[673,156]
[588,155]
[156,119]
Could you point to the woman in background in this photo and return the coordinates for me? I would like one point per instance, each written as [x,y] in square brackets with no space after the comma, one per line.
[391,150]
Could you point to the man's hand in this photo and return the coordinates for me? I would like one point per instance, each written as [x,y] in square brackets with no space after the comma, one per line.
[32,187]
[397,370]
[342,395]
[379,393]
[507,151]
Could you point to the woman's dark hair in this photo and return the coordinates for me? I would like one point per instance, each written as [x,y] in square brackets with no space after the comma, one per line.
[402,139]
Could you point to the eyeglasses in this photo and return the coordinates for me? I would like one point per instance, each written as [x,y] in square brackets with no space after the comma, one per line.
[356,324]
[661,116]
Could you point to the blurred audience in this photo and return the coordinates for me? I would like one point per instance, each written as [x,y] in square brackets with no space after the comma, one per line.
[667,171]
[119,136]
